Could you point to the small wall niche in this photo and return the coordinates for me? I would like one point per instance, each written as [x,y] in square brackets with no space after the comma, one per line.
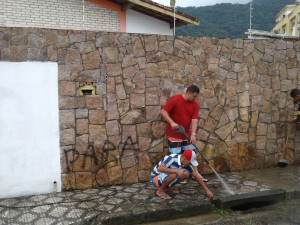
[86,89]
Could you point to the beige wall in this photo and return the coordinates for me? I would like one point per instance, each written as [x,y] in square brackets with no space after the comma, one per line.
[116,135]
[288,21]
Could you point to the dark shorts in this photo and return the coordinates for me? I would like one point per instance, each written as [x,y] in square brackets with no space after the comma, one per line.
[159,179]
[177,146]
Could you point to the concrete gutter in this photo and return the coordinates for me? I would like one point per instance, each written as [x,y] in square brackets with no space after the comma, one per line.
[250,199]
[152,214]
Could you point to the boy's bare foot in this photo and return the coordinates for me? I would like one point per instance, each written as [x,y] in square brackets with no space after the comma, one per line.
[162,195]
[183,182]
[174,191]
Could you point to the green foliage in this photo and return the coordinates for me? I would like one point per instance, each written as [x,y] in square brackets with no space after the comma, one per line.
[222,211]
[232,20]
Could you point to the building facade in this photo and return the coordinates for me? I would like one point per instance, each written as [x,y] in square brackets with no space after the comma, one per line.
[288,21]
[132,16]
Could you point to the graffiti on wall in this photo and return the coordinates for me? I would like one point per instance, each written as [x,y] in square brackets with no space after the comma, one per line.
[97,157]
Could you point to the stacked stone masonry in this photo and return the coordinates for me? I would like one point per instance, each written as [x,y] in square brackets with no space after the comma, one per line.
[117,135]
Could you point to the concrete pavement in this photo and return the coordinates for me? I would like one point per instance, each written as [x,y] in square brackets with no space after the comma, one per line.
[137,203]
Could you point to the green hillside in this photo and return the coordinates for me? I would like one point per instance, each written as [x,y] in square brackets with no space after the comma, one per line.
[232,20]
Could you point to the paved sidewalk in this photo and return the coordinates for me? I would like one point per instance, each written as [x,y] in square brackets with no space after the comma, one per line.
[137,203]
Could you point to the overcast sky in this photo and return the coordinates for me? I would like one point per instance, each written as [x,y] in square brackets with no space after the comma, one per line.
[186,3]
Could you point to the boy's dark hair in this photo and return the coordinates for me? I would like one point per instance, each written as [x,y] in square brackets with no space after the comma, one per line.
[192,89]
[295,92]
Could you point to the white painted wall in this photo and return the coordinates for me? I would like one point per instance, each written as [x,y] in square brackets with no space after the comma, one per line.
[29,128]
[140,23]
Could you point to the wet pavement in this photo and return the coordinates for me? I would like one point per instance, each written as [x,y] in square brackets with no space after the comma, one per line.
[137,203]
[281,213]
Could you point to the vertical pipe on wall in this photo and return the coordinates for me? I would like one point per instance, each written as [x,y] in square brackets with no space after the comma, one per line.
[250,20]
[174,21]
[172,4]
[83,14]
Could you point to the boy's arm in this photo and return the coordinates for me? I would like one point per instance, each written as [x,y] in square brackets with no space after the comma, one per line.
[197,176]
[163,169]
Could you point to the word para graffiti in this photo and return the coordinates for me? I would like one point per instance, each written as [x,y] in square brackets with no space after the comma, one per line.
[100,156]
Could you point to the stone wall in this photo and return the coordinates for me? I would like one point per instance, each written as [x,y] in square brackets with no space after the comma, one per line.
[116,135]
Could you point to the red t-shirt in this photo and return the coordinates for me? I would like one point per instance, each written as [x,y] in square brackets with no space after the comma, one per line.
[181,112]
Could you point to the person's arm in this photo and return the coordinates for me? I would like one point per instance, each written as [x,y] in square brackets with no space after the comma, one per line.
[163,169]
[167,118]
[197,176]
[297,119]
[194,124]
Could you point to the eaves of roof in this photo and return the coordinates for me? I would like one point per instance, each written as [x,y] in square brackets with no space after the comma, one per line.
[158,11]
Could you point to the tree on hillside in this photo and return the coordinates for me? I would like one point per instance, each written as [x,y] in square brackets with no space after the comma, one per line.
[232,20]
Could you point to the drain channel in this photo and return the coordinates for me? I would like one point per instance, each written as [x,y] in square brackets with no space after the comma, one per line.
[246,201]
[253,205]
